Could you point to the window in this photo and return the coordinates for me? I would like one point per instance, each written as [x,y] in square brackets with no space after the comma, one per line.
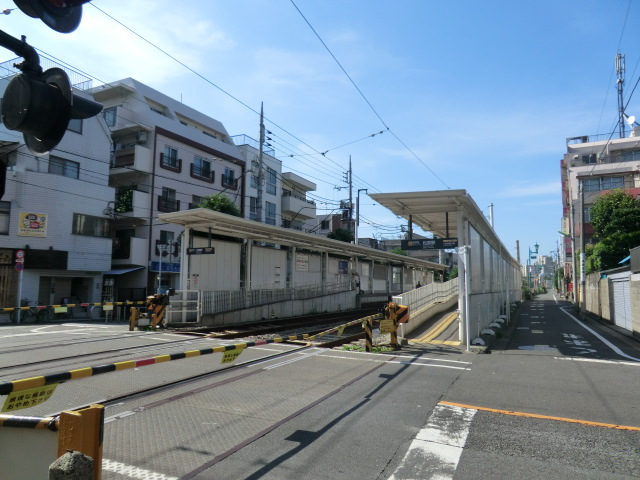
[91,226]
[586,212]
[64,167]
[167,201]
[110,115]
[170,157]
[5,214]
[254,181]
[229,179]
[602,183]
[270,214]
[324,224]
[75,125]
[201,168]
[271,181]
[196,200]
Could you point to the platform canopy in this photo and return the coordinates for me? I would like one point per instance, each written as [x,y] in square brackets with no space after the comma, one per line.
[437,212]
[209,221]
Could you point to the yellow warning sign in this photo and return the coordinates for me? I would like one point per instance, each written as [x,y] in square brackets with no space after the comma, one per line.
[28,398]
[230,355]
[386,326]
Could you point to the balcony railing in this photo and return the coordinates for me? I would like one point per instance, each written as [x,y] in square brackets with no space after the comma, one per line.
[168,205]
[229,182]
[169,163]
[204,174]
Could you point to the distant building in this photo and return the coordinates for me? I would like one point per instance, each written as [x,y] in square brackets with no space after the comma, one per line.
[166,157]
[53,211]
[593,165]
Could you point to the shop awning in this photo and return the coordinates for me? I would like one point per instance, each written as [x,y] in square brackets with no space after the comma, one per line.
[120,271]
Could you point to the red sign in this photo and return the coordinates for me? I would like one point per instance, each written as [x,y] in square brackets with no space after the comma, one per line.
[19,267]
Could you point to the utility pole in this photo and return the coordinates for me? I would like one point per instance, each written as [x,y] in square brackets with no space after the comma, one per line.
[260,177]
[620,81]
[350,182]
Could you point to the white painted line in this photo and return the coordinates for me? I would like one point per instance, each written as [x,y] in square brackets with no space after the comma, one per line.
[598,360]
[132,471]
[436,449]
[604,340]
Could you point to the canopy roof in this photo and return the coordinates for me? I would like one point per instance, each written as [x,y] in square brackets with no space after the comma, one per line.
[209,221]
[436,211]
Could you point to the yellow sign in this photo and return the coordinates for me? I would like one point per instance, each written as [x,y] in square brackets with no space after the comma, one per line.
[32,224]
[28,398]
[386,326]
[230,355]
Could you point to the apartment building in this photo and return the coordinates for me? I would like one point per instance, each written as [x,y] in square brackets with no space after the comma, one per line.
[280,199]
[166,157]
[593,165]
[52,212]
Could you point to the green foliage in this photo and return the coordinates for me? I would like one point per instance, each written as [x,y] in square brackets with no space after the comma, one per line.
[453,273]
[615,217]
[124,200]
[341,234]
[220,203]
[399,251]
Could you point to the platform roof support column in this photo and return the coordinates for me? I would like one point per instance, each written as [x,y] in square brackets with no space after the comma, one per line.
[291,270]
[463,255]
[248,259]
[324,273]
[185,263]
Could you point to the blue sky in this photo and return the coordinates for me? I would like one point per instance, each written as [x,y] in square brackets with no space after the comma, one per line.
[470,95]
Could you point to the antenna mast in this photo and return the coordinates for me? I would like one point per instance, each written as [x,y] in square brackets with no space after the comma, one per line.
[620,73]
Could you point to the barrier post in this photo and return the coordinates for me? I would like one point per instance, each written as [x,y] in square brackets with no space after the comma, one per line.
[367,335]
[133,318]
[83,431]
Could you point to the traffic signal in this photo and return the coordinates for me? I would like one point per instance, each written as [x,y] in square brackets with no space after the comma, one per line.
[62,15]
[40,106]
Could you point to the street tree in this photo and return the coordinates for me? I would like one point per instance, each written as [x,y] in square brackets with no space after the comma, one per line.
[220,203]
[615,217]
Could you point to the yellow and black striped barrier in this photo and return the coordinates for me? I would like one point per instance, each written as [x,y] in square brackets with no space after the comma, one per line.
[35,382]
[69,305]
[48,423]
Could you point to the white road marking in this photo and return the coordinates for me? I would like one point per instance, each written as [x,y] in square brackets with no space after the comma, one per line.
[598,360]
[604,340]
[435,451]
[132,471]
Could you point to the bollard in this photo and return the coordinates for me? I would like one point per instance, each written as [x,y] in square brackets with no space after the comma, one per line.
[72,466]
[367,335]
[133,318]
[82,431]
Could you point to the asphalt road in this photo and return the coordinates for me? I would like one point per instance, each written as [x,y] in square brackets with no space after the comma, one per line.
[556,398]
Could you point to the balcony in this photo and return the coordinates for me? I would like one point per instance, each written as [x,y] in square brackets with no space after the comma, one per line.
[297,206]
[168,205]
[173,164]
[133,204]
[204,174]
[135,157]
[132,250]
[229,182]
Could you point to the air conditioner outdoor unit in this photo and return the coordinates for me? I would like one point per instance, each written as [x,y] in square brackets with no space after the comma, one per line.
[142,137]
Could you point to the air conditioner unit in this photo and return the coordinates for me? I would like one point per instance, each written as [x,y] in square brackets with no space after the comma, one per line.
[142,137]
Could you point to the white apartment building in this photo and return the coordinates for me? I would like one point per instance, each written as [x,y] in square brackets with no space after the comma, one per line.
[166,157]
[53,211]
[284,195]
[591,166]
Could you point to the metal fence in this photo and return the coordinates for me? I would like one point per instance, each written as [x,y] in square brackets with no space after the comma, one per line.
[421,298]
[225,300]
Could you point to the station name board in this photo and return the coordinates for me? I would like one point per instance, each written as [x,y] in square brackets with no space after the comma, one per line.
[429,244]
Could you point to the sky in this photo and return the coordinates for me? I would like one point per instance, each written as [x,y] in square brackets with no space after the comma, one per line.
[421,94]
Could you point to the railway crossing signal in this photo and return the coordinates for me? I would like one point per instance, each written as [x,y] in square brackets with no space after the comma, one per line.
[62,16]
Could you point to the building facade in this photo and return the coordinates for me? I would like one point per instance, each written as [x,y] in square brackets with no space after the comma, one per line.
[166,157]
[52,212]
[592,165]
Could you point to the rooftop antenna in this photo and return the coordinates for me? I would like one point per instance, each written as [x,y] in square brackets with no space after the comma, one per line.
[620,82]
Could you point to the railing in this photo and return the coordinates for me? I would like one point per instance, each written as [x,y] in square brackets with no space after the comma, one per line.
[229,182]
[422,298]
[225,300]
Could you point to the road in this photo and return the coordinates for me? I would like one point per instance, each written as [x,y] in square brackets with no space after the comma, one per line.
[556,398]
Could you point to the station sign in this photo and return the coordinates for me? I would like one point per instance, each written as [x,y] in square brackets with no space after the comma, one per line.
[429,244]
[201,251]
